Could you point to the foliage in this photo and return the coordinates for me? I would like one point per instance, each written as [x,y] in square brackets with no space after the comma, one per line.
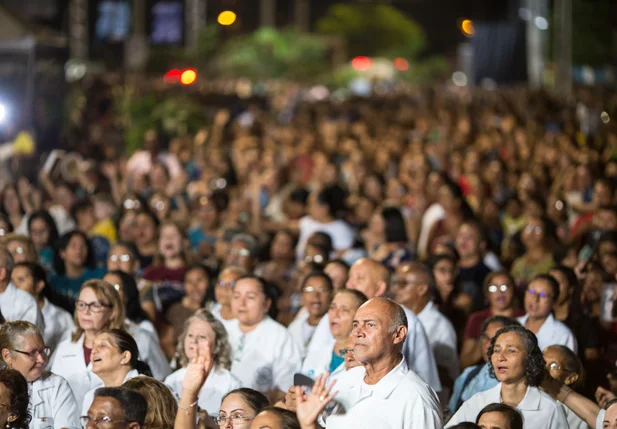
[374,30]
[272,54]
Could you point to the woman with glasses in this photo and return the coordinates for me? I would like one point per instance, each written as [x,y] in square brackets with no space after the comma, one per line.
[51,400]
[499,292]
[204,327]
[538,237]
[223,292]
[115,359]
[517,362]
[14,413]
[123,257]
[239,407]
[540,297]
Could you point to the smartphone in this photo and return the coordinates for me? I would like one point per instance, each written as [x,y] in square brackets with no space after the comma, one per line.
[303,380]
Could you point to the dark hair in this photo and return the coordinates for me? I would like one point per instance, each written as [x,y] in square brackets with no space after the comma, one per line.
[505,321]
[321,275]
[334,198]
[133,403]
[479,227]
[359,296]
[576,307]
[513,417]
[299,196]
[126,343]
[9,226]
[209,295]
[288,418]
[49,221]
[134,253]
[2,208]
[610,403]
[458,195]
[554,285]
[322,241]
[16,384]
[490,276]
[534,363]
[465,425]
[81,206]
[62,245]
[148,213]
[268,289]
[36,271]
[339,262]
[395,230]
[257,401]
[132,304]
[572,364]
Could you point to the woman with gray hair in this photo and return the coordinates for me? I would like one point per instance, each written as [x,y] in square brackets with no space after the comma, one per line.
[203,327]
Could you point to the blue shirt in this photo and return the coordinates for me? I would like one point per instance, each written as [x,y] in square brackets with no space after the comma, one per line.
[480,383]
[68,287]
[335,362]
[197,236]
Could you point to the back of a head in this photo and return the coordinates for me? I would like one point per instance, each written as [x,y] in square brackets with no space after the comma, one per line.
[256,400]
[162,406]
[288,419]
[510,415]
[466,425]
[133,404]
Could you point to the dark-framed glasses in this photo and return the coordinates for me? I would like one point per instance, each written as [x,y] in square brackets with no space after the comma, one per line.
[45,352]
[235,419]
[95,307]
[102,422]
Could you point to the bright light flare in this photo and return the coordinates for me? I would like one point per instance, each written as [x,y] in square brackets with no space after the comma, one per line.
[188,77]
[227,17]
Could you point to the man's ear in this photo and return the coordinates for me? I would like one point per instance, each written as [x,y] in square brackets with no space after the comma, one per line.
[382,287]
[400,334]
[571,379]
[424,289]
[134,425]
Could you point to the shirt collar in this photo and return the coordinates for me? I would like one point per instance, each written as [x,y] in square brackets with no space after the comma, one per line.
[531,401]
[386,385]
[428,308]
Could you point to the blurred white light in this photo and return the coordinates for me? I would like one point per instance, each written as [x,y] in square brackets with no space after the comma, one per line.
[524,14]
[318,93]
[541,23]
[459,78]
[605,117]
[3,113]
[488,84]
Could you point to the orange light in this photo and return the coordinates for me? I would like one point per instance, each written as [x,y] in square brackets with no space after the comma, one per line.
[361,63]
[227,17]
[188,76]
[172,76]
[401,64]
[467,27]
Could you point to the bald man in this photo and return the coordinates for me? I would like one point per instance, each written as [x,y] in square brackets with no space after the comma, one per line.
[383,392]
[372,278]
[413,289]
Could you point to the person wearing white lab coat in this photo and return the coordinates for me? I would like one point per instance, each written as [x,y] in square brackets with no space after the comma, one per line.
[265,357]
[316,297]
[540,297]
[32,278]
[15,303]
[199,329]
[115,359]
[412,289]
[384,392]
[372,278]
[342,310]
[518,365]
[51,400]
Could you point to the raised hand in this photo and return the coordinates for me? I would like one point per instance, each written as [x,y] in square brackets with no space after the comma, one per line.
[198,368]
[309,407]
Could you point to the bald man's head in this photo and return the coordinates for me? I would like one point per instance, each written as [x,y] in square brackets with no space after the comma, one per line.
[610,418]
[369,277]
[413,285]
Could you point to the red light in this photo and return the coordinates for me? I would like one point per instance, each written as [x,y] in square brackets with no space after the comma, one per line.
[361,63]
[188,77]
[401,64]
[172,76]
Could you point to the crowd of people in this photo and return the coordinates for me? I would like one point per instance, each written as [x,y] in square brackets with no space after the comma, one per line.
[441,258]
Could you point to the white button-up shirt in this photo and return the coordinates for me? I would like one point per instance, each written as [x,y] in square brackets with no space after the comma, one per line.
[51,399]
[318,360]
[265,358]
[574,421]
[150,351]
[300,330]
[539,410]
[17,304]
[442,338]
[399,400]
[416,350]
[89,398]
[215,309]
[58,324]
[218,384]
[553,332]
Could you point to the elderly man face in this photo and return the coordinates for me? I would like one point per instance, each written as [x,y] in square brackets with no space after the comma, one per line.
[369,277]
[610,418]
[374,336]
[107,411]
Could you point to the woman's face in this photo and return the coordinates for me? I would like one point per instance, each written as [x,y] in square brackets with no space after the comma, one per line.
[338,274]
[170,242]
[267,420]
[76,251]
[196,285]
[31,369]
[445,197]
[89,318]
[11,202]
[106,356]
[5,406]
[445,273]
[533,234]
[342,310]
[39,233]
[539,299]
[249,304]
[556,366]
[120,259]
[158,177]
[22,278]
[509,358]
[116,282]
[128,226]
[607,253]
[160,206]
[282,247]
[237,412]
[377,225]
[315,209]
[207,214]
[199,332]
[500,293]
[146,230]
[592,287]
[494,420]
[316,296]
[223,291]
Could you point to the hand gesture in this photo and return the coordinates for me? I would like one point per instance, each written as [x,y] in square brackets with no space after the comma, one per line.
[309,407]
[198,368]
[290,399]
[603,396]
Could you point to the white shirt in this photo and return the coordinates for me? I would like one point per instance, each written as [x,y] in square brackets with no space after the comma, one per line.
[442,338]
[574,421]
[215,309]
[58,324]
[150,351]
[51,398]
[433,213]
[147,326]
[265,358]
[318,360]
[539,410]
[341,233]
[218,384]
[600,418]
[416,349]
[553,332]
[302,333]
[400,400]
[89,397]
[17,304]
[68,361]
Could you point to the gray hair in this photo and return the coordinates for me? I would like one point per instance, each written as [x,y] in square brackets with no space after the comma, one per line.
[222,350]
[399,318]
[13,333]
[246,239]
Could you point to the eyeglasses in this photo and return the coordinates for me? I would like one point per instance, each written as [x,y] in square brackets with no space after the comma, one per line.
[317,259]
[44,352]
[540,295]
[95,307]
[120,258]
[103,422]
[495,288]
[235,419]
[19,250]
[311,289]
[534,229]
[556,367]
[131,204]
[240,252]
[226,284]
